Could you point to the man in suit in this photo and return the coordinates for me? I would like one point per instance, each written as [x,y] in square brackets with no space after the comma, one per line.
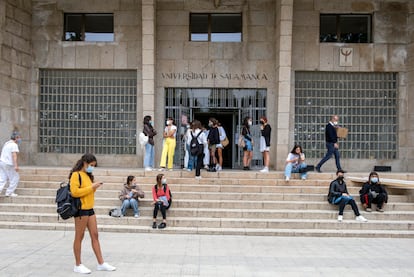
[332,145]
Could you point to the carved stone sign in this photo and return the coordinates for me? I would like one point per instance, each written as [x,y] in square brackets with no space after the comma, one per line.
[345,56]
[214,76]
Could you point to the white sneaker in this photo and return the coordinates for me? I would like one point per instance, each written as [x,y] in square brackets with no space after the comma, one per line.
[12,194]
[265,170]
[361,218]
[287,179]
[105,267]
[303,178]
[340,217]
[136,215]
[148,169]
[219,168]
[81,269]
[161,169]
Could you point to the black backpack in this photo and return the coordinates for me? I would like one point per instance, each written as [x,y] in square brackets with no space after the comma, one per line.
[165,190]
[67,206]
[196,148]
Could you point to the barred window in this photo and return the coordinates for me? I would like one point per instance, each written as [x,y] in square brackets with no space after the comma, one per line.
[87,111]
[366,103]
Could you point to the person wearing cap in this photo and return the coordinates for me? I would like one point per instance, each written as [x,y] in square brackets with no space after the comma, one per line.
[9,166]
[338,195]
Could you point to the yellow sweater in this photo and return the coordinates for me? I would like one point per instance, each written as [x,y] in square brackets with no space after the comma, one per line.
[85,192]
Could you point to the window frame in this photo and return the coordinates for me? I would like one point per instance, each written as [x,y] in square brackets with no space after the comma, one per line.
[83,27]
[209,27]
[338,16]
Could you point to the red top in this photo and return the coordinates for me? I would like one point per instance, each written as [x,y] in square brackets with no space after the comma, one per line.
[160,192]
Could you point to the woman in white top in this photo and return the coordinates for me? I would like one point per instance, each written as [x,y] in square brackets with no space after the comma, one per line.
[295,161]
[168,148]
[220,147]
[196,158]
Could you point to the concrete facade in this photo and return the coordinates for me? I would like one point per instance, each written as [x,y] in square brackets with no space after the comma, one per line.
[151,37]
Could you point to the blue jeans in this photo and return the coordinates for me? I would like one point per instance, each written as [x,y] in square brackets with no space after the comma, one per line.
[149,155]
[289,169]
[129,203]
[331,151]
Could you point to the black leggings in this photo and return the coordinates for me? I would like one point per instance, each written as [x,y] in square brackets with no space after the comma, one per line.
[160,206]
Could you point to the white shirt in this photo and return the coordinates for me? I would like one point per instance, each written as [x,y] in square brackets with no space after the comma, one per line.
[222,133]
[172,127]
[202,138]
[7,152]
[292,156]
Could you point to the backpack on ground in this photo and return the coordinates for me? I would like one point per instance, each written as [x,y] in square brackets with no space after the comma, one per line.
[165,190]
[196,148]
[115,212]
[67,206]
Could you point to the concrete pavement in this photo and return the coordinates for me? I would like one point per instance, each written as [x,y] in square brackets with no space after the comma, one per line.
[49,253]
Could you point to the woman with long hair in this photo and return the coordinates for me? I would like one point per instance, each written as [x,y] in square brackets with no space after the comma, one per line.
[83,186]
[150,132]
[265,130]
[248,143]
[161,196]
[168,148]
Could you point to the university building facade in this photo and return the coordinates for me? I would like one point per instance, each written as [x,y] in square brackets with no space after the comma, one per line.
[79,76]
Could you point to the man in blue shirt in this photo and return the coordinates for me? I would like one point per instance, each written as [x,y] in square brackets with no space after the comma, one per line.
[332,145]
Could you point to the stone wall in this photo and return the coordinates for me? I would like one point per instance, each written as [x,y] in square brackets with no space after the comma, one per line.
[15,70]
[389,52]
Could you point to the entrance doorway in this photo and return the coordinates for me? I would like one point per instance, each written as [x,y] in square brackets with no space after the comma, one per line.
[226,120]
[229,106]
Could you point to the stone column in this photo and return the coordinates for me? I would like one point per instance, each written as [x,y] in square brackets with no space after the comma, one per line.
[409,126]
[284,85]
[148,56]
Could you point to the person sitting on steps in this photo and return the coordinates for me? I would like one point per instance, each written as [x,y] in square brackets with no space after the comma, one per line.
[373,192]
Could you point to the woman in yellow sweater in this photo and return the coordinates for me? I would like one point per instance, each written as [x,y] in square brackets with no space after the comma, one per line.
[86,218]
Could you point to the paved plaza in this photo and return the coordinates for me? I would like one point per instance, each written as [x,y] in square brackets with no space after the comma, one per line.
[49,253]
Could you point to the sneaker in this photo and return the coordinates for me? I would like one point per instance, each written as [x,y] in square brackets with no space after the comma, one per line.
[11,194]
[154,225]
[340,217]
[188,169]
[303,178]
[265,170]
[136,215]
[246,168]
[148,169]
[170,169]
[318,169]
[161,169]
[198,177]
[219,168]
[206,167]
[105,267]
[361,218]
[380,210]
[287,179]
[368,210]
[81,269]
[162,225]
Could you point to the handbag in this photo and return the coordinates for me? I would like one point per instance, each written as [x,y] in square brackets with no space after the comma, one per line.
[225,142]
[241,142]
[143,139]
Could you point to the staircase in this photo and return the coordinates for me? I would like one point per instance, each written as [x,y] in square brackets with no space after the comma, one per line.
[229,202]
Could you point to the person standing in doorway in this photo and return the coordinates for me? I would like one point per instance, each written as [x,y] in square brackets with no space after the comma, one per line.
[248,143]
[213,139]
[265,130]
[83,186]
[332,146]
[9,167]
[220,146]
[168,148]
[196,159]
[150,132]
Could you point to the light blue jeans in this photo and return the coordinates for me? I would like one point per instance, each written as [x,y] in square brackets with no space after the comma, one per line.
[149,156]
[289,169]
[129,203]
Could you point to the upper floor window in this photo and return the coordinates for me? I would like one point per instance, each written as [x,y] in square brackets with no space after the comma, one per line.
[347,28]
[89,27]
[216,27]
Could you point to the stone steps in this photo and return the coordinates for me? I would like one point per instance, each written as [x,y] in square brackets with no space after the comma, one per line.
[227,202]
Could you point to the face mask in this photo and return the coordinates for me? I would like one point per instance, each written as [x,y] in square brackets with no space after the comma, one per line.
[164,181]
[89,169]
[167,122]
[210,124]
[335,123]
[340,178]
[250,123]
[261,122]
[18,141]
[150,122]
[374,180]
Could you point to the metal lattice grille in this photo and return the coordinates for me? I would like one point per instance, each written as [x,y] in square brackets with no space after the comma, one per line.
[367,106]
[87,111]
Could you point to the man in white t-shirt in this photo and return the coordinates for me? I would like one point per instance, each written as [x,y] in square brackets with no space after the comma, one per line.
[8,165]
